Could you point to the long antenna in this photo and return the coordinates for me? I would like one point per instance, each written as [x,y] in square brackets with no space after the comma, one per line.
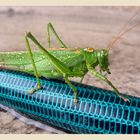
[123,31]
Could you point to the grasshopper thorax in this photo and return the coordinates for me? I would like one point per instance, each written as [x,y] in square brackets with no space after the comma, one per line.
[103,60]
[95,58]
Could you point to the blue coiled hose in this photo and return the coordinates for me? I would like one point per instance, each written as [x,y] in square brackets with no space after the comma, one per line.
[98,111]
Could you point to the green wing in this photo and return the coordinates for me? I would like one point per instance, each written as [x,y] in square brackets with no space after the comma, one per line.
[21,61]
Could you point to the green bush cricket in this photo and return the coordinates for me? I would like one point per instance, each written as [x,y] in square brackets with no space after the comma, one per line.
[61,62]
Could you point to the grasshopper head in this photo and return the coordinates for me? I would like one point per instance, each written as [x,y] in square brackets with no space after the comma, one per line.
[102,56]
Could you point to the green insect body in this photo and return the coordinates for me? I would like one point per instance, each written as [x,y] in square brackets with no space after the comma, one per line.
[21,61]
[60,62]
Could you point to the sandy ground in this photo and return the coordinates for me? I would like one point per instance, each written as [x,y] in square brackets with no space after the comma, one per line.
[11,125]
[78,27]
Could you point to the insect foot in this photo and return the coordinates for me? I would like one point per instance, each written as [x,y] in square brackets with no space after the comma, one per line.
[35,89]
[31,91]
[75,101]
[125,99]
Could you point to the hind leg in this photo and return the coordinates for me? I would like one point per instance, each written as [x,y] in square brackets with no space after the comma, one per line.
[60,66]
[51,28]
[34,67]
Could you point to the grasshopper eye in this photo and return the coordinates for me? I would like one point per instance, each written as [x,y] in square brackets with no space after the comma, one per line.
[89,49]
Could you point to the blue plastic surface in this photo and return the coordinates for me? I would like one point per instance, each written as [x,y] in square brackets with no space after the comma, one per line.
[98,111]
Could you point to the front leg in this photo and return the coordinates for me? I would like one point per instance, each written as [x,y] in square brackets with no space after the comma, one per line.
[102,77]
